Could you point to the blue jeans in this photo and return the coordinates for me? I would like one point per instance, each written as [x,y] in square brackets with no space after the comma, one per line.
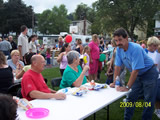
[48,61]
[148,84]
[158,90]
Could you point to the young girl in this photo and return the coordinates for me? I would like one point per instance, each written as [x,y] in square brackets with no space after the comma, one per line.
[86,58]
[62,58]
[48,55]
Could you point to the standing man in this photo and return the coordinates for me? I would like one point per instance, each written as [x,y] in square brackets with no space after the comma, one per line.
[5,47]
[23,42]
[143,74]
[13,44]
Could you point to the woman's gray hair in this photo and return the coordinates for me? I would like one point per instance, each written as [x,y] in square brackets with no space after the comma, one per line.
[71,56]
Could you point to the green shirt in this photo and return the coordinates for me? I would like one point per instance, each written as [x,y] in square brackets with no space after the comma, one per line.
[70,76]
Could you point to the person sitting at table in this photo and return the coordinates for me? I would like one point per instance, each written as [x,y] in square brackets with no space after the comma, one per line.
[62,59]
[6,76]
[33,84]
[8,108]
[15,62]
[73,75]
[27,59]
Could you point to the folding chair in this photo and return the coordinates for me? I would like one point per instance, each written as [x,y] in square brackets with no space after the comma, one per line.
[55,82]
[13,89]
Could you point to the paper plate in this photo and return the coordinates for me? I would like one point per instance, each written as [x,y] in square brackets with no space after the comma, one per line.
[37,113]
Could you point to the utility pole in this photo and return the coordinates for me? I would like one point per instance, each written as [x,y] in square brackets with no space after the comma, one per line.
[84,23]
[84,26]
[32,21]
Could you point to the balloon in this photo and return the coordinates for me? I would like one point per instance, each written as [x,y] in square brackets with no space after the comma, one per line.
[68,38]
[102,57]
[85,59]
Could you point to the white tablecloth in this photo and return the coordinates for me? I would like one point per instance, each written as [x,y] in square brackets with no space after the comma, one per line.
[74,107]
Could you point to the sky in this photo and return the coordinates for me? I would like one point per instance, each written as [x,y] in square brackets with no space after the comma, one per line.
[40,5]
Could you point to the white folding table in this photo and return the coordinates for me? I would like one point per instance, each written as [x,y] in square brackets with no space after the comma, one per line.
[74,107]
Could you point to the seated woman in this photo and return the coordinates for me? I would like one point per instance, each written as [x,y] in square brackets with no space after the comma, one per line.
[6,76]
[27,59]
[15,62]
[73,75]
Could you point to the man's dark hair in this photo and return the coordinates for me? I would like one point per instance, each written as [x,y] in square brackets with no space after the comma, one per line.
[8,108]
[101,41]
[5,36]
[87,39]
[23,27]
[120,32]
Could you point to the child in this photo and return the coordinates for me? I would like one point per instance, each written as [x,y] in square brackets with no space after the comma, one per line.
[48,55]
[86,59]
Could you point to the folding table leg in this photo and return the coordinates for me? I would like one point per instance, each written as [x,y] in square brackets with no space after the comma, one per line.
[94,116]
[108,112]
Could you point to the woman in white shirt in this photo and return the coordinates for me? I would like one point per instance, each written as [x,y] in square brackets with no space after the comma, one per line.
[32,45]
[152,52]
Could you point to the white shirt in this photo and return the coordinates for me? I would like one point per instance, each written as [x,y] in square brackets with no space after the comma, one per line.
[154,56]
[23,41]
[32,46]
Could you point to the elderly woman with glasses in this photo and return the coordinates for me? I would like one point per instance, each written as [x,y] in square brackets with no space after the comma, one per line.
[15,62]
[73,75]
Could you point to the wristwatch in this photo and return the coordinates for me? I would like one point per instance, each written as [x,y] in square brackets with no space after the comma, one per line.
[127,87]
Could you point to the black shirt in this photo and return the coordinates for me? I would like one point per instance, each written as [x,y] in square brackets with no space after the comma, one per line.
[6,79]
[14,46]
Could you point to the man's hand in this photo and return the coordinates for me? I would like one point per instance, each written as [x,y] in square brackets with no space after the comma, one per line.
[122,89]
[112,85]
[60,96]
[53,91]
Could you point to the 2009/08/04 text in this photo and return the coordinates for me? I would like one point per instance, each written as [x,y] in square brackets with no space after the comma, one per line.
[135,104]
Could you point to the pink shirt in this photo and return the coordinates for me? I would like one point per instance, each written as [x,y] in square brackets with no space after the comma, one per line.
[94,50]
[64,62]
[48,55]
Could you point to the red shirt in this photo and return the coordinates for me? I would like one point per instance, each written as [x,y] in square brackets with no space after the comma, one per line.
[33,81]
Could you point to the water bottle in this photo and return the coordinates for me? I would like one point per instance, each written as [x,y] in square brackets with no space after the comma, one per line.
[117,82]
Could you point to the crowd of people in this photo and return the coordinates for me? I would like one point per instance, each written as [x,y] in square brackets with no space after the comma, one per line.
[81,63]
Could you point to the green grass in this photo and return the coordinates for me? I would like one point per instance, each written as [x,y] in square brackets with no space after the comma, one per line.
[116,113]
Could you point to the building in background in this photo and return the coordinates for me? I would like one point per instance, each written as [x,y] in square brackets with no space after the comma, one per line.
[157,24]
[80,27]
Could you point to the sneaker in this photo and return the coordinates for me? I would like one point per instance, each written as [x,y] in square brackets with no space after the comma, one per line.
[157,112]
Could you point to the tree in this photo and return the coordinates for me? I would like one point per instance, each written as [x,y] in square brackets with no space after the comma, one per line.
[82,11]
[55,21]
[15,14]
[1,15]
[128,14]
[43,21]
